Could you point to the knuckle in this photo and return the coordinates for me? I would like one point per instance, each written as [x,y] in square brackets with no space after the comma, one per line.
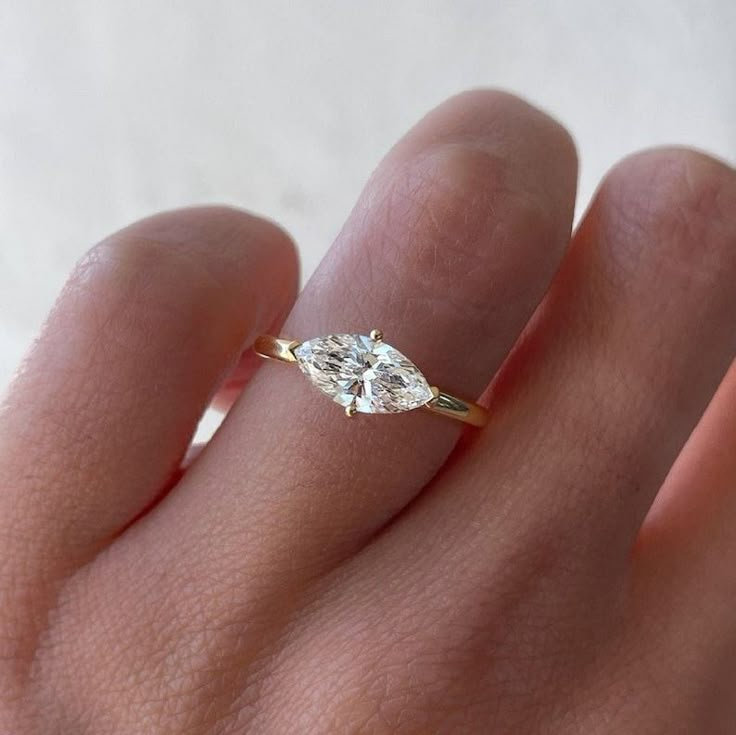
[507,116]
[134,262]
[130,287]
[453,222]
[677,204]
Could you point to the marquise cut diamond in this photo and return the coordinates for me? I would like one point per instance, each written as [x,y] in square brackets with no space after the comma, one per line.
[366,373]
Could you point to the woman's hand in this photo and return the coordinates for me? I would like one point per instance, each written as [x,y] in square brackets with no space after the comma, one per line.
[571,568]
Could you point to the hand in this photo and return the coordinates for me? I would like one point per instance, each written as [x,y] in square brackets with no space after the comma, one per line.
[567,569]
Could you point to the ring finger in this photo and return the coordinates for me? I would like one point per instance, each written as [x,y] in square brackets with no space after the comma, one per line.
[449,250]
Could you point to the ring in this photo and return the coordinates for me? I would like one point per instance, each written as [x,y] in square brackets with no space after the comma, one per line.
[364,374]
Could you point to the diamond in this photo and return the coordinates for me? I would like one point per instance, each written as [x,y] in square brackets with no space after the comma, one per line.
[363,372]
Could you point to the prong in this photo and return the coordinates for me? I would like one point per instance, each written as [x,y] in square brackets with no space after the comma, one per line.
[376,335]
[351,410]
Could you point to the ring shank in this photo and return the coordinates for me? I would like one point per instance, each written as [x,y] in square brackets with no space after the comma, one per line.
[456,408]
[276,348]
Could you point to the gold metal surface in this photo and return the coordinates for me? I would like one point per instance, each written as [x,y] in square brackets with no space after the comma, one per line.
[275,348]
[456,408]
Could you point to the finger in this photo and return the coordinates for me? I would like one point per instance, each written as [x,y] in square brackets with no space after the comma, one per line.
[697,503]
[683,584]
[686,551]
[449,250]
[537,520]
[593,408]
[105,406]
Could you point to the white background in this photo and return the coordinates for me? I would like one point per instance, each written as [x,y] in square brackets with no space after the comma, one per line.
[112,110]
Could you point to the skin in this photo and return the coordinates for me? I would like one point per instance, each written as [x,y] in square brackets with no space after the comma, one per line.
[568,569]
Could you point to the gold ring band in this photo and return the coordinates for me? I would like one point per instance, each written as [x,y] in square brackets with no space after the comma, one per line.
[365,375]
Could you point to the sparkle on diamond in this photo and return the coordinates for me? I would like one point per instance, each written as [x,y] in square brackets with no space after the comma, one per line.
[355,369]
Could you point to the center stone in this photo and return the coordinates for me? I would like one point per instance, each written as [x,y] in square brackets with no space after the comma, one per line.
[364,372]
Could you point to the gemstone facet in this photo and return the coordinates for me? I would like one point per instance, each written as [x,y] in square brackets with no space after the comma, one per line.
[355,370]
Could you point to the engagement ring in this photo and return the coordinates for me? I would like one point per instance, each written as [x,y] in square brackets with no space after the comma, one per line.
[364,374]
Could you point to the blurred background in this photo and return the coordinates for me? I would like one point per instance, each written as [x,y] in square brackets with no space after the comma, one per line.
[111,111]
